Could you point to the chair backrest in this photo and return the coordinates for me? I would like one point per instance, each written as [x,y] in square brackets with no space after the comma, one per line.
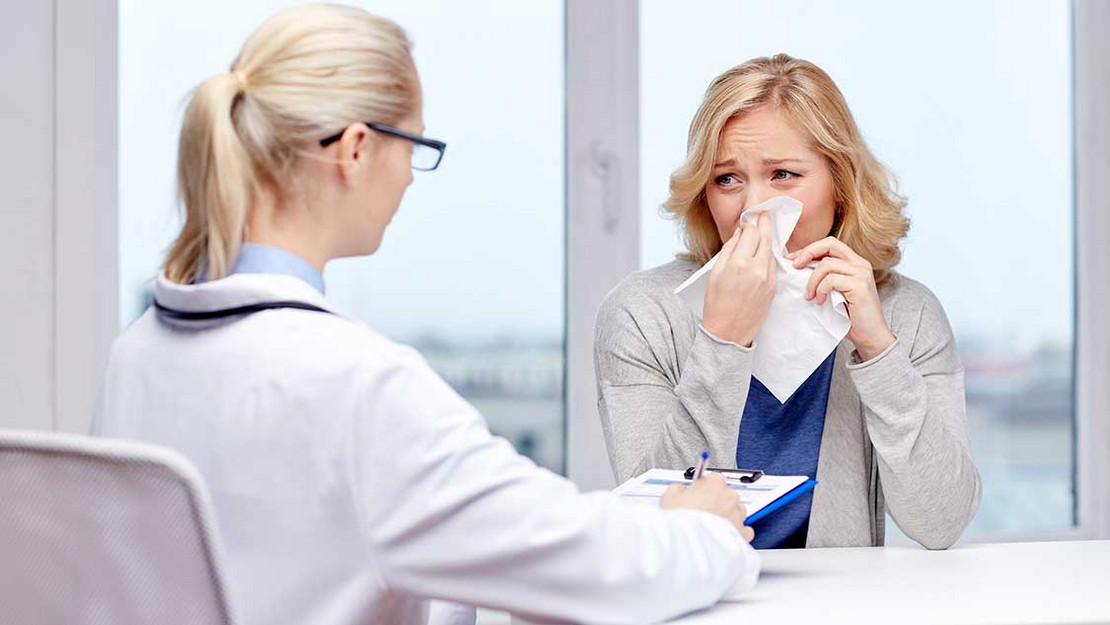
[96,531]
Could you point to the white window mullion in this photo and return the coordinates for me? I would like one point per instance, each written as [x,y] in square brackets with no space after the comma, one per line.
[603,240]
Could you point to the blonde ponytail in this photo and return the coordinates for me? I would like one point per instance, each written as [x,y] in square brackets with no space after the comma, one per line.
[215,179]
[306,73]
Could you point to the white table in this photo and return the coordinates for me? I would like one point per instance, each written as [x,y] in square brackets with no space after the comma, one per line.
[1016,583]
[1060,582]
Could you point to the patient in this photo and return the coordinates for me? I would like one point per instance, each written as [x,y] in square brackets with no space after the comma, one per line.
[881,423]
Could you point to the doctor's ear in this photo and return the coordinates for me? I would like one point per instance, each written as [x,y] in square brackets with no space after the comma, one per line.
[355,147]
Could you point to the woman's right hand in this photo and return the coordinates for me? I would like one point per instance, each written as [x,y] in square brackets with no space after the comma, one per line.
[710,494]
[741,285]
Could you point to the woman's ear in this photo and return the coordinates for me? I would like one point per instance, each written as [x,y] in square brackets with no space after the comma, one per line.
[838,220]
[355,147]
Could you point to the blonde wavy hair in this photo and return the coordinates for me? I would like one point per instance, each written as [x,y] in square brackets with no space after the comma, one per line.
[869,210]
[307,72]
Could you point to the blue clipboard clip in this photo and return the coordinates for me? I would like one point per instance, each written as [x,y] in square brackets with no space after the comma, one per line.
[798,491]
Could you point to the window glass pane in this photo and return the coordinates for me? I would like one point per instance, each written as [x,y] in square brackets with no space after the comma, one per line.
[970,103]
[471,269]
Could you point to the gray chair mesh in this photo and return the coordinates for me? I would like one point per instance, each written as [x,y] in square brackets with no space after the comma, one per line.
[101,532]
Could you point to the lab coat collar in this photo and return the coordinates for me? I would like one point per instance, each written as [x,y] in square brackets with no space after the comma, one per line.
[232,292]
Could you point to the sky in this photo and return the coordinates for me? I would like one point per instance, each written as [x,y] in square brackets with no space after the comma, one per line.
[968,102]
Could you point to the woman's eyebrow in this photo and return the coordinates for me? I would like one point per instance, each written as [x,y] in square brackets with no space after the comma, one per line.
[767,162]
[783,161]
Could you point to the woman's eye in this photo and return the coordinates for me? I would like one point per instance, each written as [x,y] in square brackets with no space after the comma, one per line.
[724,179]
[782,174]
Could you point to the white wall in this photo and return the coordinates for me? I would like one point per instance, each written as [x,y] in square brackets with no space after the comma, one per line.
[27,215]
[58,219]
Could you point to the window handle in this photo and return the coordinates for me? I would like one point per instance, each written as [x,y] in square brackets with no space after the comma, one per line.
[605,166]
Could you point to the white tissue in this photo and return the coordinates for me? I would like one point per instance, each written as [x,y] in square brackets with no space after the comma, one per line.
[797,335]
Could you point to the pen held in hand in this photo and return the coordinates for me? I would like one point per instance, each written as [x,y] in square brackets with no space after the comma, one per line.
[702,463]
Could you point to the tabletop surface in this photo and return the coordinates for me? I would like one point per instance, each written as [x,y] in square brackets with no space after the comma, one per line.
[1049,582]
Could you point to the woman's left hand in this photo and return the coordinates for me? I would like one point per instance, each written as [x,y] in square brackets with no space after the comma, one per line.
[839,268]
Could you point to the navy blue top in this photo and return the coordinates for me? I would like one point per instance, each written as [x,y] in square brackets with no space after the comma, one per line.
[785,439]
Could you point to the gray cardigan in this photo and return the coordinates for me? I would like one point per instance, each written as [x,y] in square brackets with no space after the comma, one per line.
[895,436]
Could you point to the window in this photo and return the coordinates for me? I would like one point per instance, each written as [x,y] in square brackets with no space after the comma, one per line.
[978,130]
[471,270]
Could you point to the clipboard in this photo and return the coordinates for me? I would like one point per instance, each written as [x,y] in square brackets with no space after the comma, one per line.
[762,494]
[798,491]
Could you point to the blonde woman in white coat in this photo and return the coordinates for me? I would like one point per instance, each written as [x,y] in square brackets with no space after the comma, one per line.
[350,483]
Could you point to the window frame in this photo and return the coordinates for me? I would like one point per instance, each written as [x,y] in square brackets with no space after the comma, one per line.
[602,223]
[1091,135]
[1091,63]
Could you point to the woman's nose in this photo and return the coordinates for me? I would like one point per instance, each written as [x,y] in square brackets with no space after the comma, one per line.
[755,196]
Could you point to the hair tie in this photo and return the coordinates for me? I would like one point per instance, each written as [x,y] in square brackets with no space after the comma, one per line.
[240,78]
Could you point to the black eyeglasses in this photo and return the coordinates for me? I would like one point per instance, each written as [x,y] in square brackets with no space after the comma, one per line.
[426,153]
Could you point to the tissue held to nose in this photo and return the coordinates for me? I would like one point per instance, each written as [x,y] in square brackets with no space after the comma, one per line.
[792,334]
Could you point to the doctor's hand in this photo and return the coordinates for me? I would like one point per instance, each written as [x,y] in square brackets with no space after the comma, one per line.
[840,268]
[710,494]
[741,285]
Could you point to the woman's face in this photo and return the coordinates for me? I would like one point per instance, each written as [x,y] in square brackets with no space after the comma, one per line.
[760,156]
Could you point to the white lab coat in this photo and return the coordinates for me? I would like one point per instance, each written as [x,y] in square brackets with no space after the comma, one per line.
[350,483]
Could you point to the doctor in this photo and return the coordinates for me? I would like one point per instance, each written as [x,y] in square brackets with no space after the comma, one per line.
[350,483]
